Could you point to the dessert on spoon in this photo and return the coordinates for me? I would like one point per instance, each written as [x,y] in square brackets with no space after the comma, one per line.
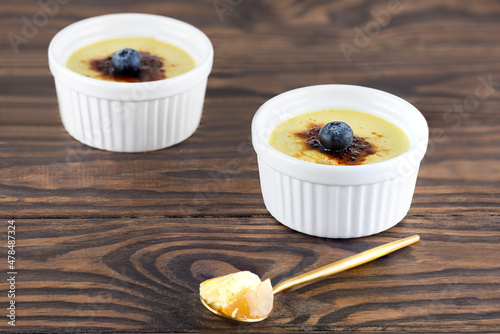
[243,297]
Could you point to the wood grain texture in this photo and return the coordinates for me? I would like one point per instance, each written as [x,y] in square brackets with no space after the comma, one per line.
[110,242]
[143,274]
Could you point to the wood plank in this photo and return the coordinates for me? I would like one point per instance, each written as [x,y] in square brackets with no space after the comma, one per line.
[46,172]
[143,274]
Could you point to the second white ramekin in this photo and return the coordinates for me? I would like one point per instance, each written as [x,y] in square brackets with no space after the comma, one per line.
[130,117]
[338,201]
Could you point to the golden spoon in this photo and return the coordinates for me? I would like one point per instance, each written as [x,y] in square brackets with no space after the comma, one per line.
[329,269]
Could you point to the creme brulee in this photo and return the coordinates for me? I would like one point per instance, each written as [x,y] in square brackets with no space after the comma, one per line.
[241,295]
[375,139]
[166,59]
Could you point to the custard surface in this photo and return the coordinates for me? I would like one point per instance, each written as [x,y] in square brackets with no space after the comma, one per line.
[175,60]
[387,139]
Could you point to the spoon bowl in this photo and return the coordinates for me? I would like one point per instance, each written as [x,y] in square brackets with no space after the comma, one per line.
[329,269]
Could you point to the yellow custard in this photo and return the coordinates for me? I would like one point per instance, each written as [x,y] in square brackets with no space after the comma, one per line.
[241,295]
[174,61]
[375,139]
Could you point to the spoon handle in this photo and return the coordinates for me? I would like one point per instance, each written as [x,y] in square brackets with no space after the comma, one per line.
[347,263]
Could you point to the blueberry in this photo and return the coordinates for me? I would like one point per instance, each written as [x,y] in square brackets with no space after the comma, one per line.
[335,136]
[126,61]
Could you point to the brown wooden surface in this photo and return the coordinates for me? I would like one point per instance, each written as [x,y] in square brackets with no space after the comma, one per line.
[120,242]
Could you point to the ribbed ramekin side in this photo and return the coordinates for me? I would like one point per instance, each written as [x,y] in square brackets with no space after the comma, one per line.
[131,126]
[336,211]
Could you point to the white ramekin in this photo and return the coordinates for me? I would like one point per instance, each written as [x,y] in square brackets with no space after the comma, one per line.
[338,201]
[130,117]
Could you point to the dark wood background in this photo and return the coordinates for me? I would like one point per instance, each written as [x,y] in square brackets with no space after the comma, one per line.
[120,242]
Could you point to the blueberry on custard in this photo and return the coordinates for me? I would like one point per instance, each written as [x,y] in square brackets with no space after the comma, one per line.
[126,61]
[336,136]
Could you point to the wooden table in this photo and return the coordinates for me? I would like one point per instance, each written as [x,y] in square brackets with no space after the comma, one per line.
[120,242]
